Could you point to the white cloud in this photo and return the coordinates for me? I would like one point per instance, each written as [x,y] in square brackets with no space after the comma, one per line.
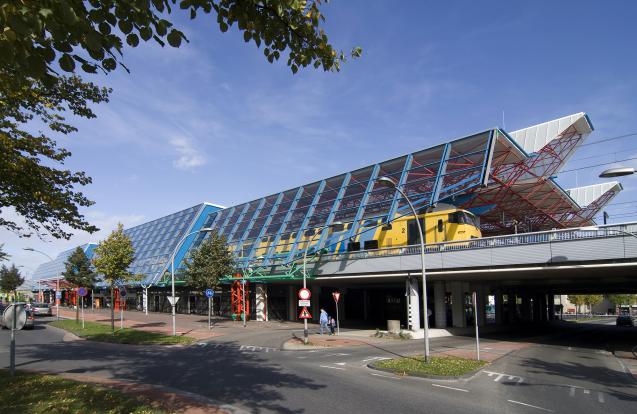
[189,157]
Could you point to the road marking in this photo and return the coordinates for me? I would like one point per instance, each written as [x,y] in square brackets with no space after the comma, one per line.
[374,359]
[529,405]
[339,363]
[572,392]
[600,397]
[385,376]
[301,357]
[327,366]
[500,375]
[337,354]
[587,391]
[449,388]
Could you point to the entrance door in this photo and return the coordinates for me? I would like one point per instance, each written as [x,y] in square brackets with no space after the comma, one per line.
[156,307]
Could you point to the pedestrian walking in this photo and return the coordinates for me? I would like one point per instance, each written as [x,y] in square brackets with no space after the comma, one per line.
[332,325]
[323,319]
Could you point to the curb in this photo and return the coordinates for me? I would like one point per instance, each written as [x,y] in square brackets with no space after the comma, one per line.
[468,375]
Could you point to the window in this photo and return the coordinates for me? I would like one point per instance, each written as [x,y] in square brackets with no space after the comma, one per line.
[353,246]
[371,244]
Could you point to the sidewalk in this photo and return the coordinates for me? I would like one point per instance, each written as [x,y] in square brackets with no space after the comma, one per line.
[629,361]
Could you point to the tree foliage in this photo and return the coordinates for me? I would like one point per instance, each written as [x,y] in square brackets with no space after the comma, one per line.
[79,273]
[211,261]
[3,255]
[40,36]
[39,191]
[621,300]
[10,279]
[112,257]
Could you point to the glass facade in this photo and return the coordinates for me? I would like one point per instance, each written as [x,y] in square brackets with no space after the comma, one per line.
[53,269]
[277,229]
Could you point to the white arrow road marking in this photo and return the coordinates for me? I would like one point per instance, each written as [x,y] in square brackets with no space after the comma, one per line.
[572,392]
[449,388]
[500,375]
[529,405]
[600,397]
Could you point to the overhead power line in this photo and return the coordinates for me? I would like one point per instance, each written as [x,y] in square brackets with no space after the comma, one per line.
[601,141]
[597,165]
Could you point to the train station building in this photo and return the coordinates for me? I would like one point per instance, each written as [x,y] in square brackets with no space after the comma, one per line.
[500,182]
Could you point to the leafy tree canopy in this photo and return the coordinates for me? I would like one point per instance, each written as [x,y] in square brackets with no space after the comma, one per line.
[10,279]
[211,261]
[43,194]
[78,270]
[113,256]
[626,299]
[39,36]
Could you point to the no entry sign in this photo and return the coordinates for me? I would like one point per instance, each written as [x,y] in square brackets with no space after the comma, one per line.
[304,294]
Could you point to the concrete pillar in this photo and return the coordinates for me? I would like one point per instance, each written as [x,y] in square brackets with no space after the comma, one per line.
[457,303]
[512,306]
[551,305]
[316,307]
[292,302]
[499,310]
[261,301]
[526,307]
[365,305]
[440,310]
[413,303]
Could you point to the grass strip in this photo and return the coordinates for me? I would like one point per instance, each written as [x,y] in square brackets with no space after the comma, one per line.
[48,394]
[441,366]
[102,333]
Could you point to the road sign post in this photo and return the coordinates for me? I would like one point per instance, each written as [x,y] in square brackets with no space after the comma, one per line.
[337,296]
[243,284]
[82,292]
[475,318]
[122,299]
[210,294]
[12,351]
[305,295]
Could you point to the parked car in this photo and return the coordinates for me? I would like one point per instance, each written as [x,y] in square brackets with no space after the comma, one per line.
[625,320]
[41,309]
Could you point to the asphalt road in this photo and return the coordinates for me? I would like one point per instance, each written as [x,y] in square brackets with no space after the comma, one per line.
[567,372]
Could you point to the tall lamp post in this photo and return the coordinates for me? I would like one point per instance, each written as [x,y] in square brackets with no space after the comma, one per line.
[57,285]
[172,271]
[336,223]
[389,183]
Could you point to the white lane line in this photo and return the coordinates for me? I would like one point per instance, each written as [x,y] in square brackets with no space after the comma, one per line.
[572,392]
[449,388]
[327,366]
[587,391]
[301,357]
[385,376]
[337,354]
[339,363]
[529,405]
[600,397]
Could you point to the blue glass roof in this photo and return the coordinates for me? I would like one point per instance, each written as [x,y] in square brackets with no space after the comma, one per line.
[52,269]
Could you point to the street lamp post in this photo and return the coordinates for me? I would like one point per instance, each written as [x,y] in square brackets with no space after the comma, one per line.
[389,183]
[172,271]
[57,285]
[336,223]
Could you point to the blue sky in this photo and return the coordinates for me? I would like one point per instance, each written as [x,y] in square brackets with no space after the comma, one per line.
[214,121]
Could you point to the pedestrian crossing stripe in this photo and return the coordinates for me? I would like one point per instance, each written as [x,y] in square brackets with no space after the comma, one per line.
[305,314]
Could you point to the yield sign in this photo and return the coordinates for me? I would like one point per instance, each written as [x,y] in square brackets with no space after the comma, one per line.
[336,296]
[173,300]
[305,314]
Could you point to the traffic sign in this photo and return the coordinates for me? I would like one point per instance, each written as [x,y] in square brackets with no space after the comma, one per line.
[173,300]
[305,294]
[122,292]
[305,314]
[210,293]
[336,296]
[58,295]
[304,302]
[82,291]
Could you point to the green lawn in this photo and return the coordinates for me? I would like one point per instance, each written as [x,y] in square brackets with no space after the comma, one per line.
[443,366]
[48,394]
[102,332]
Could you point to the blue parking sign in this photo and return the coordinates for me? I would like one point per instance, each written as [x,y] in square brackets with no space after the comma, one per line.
[210,293]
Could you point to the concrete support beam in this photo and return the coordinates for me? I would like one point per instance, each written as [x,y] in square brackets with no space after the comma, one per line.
[413,303]
[511,306]
[457,303]
[261,302]
[292,302]
[551,307]
[440,309]
[316,307]
[499,307]
[526,308]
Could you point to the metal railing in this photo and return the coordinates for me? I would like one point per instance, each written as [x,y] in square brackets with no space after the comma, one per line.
[612,230]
